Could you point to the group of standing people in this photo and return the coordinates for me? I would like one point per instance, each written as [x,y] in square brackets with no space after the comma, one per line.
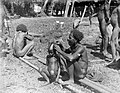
[105,19]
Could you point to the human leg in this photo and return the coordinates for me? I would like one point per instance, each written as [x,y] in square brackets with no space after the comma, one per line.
[71,70]
[26,49]
[71,74]
[101,27]
[106,42]
[45,74]
[90,18]
[80,70]
[113,42]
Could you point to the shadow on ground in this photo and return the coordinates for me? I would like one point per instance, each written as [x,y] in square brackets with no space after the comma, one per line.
[95,51]
[114,65]
[41,79]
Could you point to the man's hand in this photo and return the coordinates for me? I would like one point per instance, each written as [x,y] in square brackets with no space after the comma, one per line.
[57,48]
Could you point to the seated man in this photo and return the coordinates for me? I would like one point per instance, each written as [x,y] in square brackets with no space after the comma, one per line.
[20,46]
[76,56]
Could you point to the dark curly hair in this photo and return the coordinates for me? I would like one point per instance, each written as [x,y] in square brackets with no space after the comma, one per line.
[77,35]
[21,27]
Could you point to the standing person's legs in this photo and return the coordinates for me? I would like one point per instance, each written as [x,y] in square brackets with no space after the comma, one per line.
[114,40]
[1,25]
[102,42]
[90,18]
[106,41]
[105,37]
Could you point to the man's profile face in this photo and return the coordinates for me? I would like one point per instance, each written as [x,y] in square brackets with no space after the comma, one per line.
[71,40]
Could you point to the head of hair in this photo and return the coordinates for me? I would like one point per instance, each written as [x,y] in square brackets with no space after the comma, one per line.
[21,27]
[77,35]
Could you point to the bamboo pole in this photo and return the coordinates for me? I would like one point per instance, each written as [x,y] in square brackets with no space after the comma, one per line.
[44,6]
[110,1]
[83,14]
[67,8]
[34,34]
[30,64]
[73,2]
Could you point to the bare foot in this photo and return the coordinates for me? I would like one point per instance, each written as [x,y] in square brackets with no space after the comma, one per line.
[112,62]
[45,84]
[107,55]
[66,82]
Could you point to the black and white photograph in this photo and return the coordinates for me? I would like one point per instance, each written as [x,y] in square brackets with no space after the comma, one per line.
[59,46]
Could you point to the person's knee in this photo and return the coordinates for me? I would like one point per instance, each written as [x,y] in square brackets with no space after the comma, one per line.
[32,43]
[84,71]
[19,54]
[82,76]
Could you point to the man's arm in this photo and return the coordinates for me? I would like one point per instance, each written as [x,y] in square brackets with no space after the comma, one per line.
[30,36]
[35,35]
[72,57]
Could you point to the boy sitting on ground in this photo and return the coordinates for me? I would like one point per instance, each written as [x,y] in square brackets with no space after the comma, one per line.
[51,72]
[20,46]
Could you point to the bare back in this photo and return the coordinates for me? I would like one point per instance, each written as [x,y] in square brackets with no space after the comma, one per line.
[19,42]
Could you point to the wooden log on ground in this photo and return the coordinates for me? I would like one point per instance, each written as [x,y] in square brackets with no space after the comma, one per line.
[97,60]
[97,86]
[70,87]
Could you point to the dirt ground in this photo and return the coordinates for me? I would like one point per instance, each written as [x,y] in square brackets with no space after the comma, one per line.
[17,77]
